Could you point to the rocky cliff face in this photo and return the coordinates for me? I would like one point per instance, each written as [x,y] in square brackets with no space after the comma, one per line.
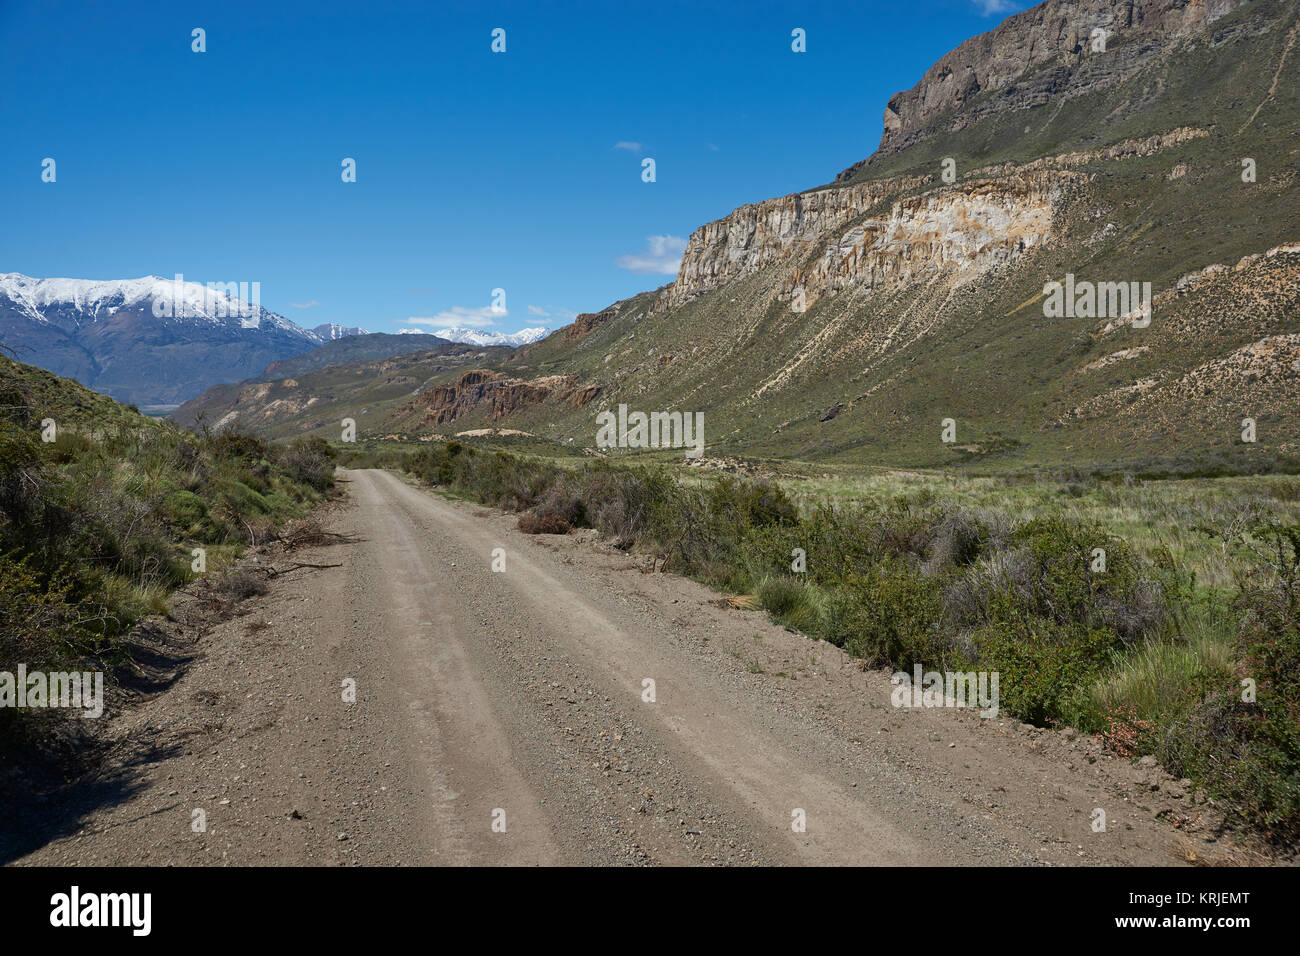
[588,322]
[498,395]
[758,234]
[1043,53]
[959,233]
[846,235]
[851,237]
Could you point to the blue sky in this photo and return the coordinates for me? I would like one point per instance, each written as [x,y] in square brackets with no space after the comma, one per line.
[476,170]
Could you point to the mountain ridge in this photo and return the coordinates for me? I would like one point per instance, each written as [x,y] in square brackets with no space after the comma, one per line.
[847,321]
[1048,50]
[482,338]
[159,341]
[151,340]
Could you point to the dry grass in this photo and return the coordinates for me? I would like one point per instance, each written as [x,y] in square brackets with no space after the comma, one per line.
[544,523]
[1184,517]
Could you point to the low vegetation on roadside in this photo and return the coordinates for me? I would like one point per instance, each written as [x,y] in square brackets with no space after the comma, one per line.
[1089,624]
[100,524]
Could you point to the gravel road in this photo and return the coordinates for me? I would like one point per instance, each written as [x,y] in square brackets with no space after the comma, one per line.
[505,718]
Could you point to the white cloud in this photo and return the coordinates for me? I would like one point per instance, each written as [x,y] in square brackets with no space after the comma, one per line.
[629,145]
[304,305]
[460,317]
[714,147]
[988,8]
[552,312]
[663,256]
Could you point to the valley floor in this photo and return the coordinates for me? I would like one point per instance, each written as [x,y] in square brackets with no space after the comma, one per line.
[521,694]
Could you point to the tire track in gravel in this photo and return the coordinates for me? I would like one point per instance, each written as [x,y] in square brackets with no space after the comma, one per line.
[456,741]
[751,769]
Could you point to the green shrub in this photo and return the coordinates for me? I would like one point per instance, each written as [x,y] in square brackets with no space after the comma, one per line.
[1047,570]
[310,462]
[186,512]
[794,603]
[757,503]
[68,446]
[1045,668]
[1247,753]
[888,614]
[779,595]
[38,622]
[239,446]
[240,499]
[22,476]
[625,504]
[1161,680]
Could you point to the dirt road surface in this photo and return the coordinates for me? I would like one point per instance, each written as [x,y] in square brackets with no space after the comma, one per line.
[505,718]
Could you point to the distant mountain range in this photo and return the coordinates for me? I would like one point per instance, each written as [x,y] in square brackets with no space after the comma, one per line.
[359,378]
[330,332]
[157,341]
[366,348]
[150,341]
[479,337]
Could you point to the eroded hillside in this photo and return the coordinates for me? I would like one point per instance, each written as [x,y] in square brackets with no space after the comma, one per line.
[850,321]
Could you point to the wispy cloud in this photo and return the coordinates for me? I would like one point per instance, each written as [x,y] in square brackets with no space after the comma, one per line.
[988,8]
[304,305]
[663,256]
[713,147]
[629,145]
[460,317]
[552,312]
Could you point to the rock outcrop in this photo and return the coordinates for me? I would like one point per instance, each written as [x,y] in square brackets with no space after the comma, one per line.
[1046,52]
[500,394]
[839,238]
[961,232]
[587,322]
[757,234]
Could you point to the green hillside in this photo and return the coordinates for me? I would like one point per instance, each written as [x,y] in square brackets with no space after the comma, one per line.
[1133,181]
[358,348]
[101,510]
[314,401]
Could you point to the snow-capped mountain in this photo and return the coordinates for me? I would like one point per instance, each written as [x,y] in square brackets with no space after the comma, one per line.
[149,340]
[329,331]
[70,303]
[479,337]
